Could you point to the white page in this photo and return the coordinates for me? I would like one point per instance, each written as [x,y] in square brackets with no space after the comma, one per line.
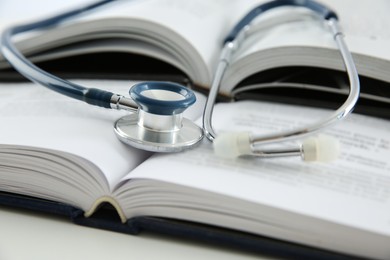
[291,36]
[34,116]
[354,190]
[362,33]
[202,23]
[191,31]
[18,11]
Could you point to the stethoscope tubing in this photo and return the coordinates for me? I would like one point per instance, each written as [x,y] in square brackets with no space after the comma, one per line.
[345,109]
[91,96]
[233,41]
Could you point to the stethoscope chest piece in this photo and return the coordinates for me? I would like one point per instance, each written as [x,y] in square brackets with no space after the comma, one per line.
[159,125]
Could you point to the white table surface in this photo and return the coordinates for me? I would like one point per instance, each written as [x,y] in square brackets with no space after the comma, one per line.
[29,235]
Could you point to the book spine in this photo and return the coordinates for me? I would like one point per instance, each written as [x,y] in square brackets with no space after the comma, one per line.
[39,205]
[231,239]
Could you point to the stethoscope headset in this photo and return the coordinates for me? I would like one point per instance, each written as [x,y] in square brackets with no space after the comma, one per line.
[156,122]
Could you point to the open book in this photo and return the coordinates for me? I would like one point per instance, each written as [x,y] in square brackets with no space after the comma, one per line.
[57,149]
[288,48]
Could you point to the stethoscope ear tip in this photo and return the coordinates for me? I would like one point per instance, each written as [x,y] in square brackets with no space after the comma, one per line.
[233,144]
[322,148]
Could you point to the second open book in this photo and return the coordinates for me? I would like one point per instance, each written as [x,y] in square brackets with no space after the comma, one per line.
[189,35]
[60,150]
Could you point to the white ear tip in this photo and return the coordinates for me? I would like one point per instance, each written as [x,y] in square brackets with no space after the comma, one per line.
[231,145]
[323,149]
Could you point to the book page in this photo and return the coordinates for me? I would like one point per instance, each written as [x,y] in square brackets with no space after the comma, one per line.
[352,191]
[20,11]
[34,116]
[191,32]
[202,23]
[289,36]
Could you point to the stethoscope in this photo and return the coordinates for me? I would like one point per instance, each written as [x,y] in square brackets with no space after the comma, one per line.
[157,123]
